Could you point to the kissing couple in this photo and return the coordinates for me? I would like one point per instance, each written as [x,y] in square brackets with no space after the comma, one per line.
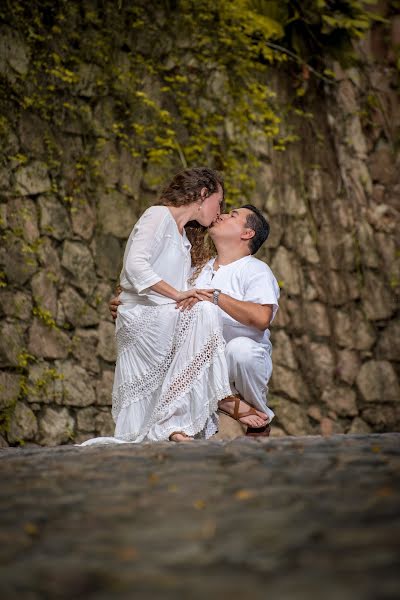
[191,327]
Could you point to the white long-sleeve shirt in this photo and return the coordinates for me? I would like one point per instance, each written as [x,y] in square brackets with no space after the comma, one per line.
[155,251]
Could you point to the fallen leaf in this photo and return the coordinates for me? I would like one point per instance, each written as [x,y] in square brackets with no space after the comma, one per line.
[127,553]
[153,478]
[31,529]
[244,494]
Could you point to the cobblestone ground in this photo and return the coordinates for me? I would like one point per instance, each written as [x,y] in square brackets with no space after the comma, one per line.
[302,518]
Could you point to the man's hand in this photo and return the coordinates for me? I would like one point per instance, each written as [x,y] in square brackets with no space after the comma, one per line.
[113,306]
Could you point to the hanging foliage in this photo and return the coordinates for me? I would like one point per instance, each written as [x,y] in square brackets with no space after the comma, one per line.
[192,80]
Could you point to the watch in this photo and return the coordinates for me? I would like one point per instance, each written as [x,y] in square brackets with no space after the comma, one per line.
[216,294]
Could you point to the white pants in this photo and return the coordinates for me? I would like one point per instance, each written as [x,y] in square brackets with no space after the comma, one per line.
[250,368]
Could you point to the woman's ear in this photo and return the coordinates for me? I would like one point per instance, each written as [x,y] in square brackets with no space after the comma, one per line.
[204,193]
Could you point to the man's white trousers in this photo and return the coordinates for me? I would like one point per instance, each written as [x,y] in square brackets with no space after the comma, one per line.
[250,368]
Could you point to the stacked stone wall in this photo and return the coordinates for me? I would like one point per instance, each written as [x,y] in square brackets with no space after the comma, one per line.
[333,203]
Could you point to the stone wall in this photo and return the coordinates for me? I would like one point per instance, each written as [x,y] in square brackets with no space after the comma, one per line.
[336,338]
[333,203]
[334,207]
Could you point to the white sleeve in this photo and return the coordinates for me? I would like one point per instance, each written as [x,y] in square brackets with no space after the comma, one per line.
[262,288]
[142,243]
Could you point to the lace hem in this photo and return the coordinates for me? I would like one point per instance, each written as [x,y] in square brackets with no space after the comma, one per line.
[195,428]
[210,428]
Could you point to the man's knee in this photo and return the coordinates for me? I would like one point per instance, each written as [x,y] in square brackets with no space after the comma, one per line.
[241,350]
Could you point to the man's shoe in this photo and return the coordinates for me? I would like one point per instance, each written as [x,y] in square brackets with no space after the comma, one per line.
[237,415]
[259,431]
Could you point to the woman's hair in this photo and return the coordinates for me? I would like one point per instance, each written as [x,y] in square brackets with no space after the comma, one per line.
[185,188]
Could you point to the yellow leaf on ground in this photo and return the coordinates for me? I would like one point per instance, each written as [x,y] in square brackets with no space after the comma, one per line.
[31,529]
[153,478]
[244,494]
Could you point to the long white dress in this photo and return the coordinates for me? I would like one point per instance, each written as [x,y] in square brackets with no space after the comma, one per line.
[171,369]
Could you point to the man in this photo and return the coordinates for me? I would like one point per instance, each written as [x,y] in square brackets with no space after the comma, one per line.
[247,293]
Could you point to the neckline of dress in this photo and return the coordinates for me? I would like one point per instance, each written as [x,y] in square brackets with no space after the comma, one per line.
[172,217]
[182,235]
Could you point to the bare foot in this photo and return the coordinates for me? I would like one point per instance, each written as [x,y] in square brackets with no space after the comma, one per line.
[180,437]
[258,419]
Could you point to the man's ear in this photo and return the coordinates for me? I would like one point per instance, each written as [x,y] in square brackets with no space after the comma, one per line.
[247,234]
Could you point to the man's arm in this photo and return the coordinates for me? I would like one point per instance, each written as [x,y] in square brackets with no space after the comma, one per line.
[247,313]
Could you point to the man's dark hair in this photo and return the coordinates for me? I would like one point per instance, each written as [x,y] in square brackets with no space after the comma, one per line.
[260,226]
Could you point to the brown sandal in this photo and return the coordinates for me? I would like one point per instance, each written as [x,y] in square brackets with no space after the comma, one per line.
[259,431]
[180,433]
[237,416]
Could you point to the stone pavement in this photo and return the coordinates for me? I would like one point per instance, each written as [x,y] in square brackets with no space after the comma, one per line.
[285,518]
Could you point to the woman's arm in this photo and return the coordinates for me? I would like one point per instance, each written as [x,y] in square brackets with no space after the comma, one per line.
[148,235]
[162,287]
[183,298]
[145,236]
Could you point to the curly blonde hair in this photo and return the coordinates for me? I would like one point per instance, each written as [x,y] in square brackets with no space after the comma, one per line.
[185,188]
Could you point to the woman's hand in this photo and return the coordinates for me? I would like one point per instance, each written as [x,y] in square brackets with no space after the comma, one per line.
[193,293]
[196,295]
[187,304]
[206,295]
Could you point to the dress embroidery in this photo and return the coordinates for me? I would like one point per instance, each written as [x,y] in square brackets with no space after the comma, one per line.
[166,391]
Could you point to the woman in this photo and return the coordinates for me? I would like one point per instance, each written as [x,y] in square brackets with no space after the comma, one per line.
[171,369]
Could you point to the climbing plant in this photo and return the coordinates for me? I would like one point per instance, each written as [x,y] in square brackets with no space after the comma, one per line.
[192,81]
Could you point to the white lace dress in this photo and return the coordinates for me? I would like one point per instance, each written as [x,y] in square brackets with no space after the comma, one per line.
[171,369]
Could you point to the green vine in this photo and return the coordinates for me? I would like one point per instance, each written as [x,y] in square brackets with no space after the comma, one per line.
[190,80]
[45,316]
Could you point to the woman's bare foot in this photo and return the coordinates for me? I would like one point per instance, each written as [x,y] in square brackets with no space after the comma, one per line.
[256,419]
[179,436]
